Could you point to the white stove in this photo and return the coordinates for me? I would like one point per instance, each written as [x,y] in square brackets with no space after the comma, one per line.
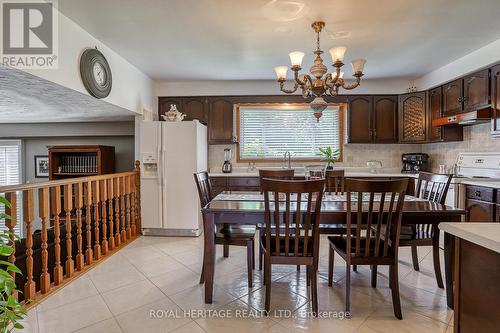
[472,166]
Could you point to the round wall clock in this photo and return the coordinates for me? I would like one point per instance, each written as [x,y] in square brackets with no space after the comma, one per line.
[95,73]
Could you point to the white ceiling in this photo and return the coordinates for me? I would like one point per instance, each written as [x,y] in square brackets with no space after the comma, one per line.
[237,39]
[25,98]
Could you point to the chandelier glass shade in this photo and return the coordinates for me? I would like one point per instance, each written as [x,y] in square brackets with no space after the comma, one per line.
[320,83]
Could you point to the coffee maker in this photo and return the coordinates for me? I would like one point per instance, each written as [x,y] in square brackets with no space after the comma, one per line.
[227,167]
[415,162]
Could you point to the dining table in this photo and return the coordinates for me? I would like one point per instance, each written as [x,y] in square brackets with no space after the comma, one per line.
[244,207]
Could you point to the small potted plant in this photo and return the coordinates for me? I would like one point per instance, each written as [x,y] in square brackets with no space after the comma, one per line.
[330,156]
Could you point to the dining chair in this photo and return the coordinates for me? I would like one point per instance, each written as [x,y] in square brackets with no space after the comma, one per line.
[284,212]
[227,234]
[375,207]
[283,174]
[432,187]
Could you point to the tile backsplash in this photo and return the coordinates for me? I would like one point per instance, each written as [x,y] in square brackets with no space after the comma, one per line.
[477,138]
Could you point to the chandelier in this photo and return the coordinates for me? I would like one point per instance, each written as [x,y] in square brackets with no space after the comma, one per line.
[322,84]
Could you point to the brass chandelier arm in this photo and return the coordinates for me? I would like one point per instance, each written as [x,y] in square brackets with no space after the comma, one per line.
[288,91]
[352,85]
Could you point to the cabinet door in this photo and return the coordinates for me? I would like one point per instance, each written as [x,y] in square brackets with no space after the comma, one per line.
[164,104]
[196,108]
[385,119]
[435,112]
[220,122]
[412,117]
[476,90]
[452,97]
[480,211]
[360,119]
[495,99]
[498,213]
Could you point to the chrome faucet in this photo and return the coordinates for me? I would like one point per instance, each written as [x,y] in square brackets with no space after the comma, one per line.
[289,159]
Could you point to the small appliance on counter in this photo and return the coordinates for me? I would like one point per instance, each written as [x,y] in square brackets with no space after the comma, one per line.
[227,167]
[415,162]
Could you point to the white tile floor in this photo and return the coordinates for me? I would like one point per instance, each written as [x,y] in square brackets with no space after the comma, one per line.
[156,273]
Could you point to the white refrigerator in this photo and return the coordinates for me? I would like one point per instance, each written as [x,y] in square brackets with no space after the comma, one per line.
[170,153]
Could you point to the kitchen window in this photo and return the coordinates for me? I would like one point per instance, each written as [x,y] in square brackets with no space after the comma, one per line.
[266,131]
[10,174]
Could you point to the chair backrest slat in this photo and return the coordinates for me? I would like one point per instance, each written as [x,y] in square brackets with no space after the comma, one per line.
[335,181]
[204,187]
[384,235]
[306,221]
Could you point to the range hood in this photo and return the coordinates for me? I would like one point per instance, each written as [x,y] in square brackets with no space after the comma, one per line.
[464,119]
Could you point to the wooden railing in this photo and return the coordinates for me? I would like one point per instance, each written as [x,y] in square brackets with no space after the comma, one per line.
[80,221]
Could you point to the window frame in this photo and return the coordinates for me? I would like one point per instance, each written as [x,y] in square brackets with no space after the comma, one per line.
[287,106]
[20,212]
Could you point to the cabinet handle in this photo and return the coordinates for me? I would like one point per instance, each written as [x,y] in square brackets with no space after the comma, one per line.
[374,133]
[460,100]
[370,133]
[478,193]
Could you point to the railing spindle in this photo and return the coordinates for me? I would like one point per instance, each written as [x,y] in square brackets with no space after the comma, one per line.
[97,220]
[133,208]
[29,216]
[56,208]
[43,212]
[111,242]
[117,212]
[68,207]
[11,225]
[80,258]
[104,217]
[127,206]
[89,254]
[123,233]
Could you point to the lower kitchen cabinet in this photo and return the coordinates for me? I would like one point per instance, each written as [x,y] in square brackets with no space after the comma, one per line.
[480,204]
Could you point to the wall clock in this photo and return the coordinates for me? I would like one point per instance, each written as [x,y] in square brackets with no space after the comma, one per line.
[95,73]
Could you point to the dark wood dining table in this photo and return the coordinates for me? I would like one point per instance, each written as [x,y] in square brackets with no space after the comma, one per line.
[248,208]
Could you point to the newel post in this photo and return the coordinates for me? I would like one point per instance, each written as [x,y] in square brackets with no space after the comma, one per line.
[137,170]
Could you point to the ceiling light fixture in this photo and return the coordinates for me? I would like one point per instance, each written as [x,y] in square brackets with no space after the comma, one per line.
[319,87]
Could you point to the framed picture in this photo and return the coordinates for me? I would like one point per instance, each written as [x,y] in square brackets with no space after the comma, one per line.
[41,166]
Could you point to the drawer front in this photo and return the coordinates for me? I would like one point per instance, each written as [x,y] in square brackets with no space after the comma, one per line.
[243,182]
[218,181]
[479,193]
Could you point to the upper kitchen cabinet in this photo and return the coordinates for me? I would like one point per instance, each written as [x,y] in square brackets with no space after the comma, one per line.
[435,111]
[385,119]
[220,121]
[373,119]
[469,93]
[453,97]
[360,115]
[495,100]
[164,104]
[412,118]
[195,108]
[476,90]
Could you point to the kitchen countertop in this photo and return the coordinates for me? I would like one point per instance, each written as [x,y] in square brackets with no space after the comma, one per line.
[299,172]
[486,235]
[494,183]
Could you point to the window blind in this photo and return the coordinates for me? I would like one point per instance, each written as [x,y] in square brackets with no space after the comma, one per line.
[10,174]
[267,133]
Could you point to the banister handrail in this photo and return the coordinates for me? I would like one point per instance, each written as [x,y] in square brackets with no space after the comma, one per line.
[37,185]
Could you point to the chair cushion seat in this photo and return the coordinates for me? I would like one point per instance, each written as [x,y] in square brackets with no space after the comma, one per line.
[291,244]
[340,243]
[236,231]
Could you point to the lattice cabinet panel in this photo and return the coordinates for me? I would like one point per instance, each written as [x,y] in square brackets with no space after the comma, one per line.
[412,117]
